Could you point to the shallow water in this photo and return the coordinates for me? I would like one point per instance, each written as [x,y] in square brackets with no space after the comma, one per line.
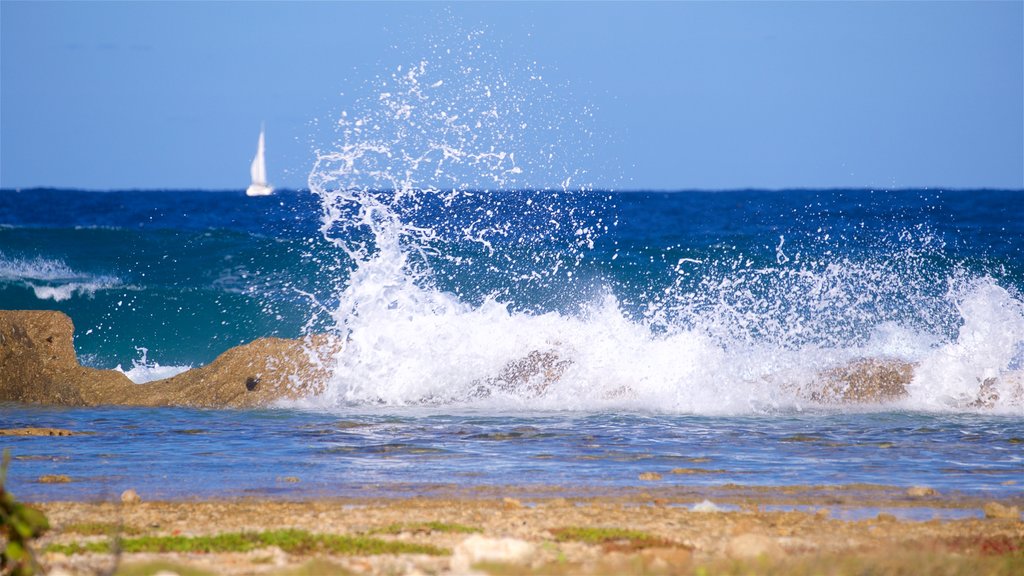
[179,453]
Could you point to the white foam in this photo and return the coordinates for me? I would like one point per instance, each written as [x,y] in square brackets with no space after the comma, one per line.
[143,370]
[53,279]
[747,339]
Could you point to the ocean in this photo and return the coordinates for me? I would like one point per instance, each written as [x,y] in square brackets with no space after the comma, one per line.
[689,320]
[450,228]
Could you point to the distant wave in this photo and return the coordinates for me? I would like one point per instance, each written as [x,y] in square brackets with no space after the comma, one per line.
[51,279]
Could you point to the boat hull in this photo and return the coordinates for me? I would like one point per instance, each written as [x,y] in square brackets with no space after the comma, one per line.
[259,190]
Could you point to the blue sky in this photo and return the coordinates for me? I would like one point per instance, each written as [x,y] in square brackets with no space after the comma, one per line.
[686,95]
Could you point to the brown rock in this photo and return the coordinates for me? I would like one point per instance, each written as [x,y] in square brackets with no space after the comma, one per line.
[650,476]
[55,479]
[130,496]
[868,380]
[531,375]
[35,432]
[38,365]
[997,510]
[921,491]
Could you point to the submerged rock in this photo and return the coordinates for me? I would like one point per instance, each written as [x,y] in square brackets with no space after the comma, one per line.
[921,492]
[36,432]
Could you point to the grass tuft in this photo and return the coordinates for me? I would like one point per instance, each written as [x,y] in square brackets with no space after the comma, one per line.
[291,541]
[100,529]
[425,528]
[618,539]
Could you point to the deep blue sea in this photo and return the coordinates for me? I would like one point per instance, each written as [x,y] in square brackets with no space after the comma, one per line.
[690,320]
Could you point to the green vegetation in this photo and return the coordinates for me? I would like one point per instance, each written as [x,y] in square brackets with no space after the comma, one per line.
[600,535]
[18,525]
[291,541]
[425,527]
[100,529]
[611,539]
[151,568]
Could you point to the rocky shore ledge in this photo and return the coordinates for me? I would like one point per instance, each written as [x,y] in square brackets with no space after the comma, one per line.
[632,534]
[38,365]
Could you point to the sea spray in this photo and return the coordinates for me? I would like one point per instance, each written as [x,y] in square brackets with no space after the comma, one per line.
[454,264]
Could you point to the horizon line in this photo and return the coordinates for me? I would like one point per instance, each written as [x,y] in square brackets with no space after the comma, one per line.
[593,190]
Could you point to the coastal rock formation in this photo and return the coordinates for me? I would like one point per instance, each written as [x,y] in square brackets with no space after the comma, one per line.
[38,365]
[867,380]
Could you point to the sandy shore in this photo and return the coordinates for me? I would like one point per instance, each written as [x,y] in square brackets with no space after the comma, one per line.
[730,529]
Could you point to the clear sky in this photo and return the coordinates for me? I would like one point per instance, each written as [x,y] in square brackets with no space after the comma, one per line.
[118,95]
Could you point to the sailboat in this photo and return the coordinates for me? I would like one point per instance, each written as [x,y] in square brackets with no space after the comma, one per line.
[258,170]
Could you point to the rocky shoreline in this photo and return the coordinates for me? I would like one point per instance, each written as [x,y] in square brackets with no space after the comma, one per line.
[38,365]
[648,532]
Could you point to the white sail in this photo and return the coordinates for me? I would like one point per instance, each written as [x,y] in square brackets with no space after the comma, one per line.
[258,171]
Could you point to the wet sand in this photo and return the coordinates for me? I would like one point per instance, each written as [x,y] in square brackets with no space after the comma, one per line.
[538,530]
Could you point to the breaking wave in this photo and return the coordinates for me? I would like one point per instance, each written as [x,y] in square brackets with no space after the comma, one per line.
[52,279]
[471,272]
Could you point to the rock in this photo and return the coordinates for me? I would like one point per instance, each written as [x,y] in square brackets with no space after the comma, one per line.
[530,375]
[753,546]
[130,496]
[38,365]
[885,517]
[650,476]
[252,375]
[55,479]
[869,380]
[921,491]
[997,510]
[511,503]
[476,549]
[35,432]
